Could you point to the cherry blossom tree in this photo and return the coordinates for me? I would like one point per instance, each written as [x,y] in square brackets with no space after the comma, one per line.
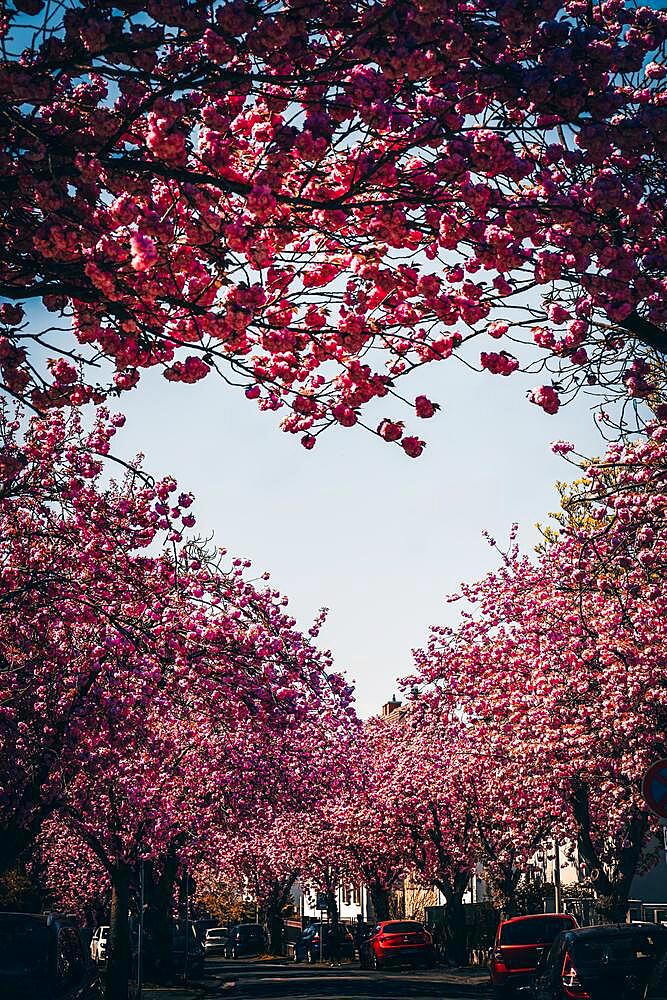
[560,660]
[260,858]
[317,200]
[429,801]
[140,688]
[367,833]
[72,877]
[72,595]
[302,781]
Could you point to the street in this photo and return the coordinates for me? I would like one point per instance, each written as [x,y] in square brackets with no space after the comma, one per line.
[249,979]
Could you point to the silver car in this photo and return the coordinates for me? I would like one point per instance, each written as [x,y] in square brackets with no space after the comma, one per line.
[98,944]
[215,941]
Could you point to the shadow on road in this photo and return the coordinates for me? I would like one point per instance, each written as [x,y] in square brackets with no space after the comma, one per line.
[268,980]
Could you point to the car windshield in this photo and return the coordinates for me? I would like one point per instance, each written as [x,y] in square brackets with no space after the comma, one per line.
[23,946]
[402,927]
[541,930]
[618,948]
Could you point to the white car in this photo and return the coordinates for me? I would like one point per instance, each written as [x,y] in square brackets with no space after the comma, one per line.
[216,940]
[98,944]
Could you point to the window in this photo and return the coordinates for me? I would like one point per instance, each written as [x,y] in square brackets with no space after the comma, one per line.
[619,949]
[403,927]
[541,930]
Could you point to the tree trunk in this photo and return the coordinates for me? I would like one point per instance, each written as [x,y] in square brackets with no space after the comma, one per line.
[380,900]
[454,925]
[118,965]
[332,906]
[503,888]
[272,913]
[274,925]
[159,919]
[613,908]
[611,885]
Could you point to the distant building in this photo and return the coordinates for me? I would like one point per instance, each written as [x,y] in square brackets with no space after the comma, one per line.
[353,902]
[391,707]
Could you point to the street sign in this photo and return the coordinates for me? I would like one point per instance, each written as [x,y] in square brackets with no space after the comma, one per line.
[654,788]
[321,901]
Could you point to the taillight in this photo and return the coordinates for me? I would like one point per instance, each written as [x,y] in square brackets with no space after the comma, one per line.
[571,984]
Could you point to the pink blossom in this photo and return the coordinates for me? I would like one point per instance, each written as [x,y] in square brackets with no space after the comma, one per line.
[390,430]
[497,329]
[499,364]
[546,397]
[413,446]
[557,313]
[561,447]
[144,252]
[424,407]
[344,414]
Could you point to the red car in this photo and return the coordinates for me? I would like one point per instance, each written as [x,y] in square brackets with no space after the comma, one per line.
[397,942]
[519,943]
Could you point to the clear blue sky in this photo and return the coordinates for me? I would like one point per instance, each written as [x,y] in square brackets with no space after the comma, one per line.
[355,525]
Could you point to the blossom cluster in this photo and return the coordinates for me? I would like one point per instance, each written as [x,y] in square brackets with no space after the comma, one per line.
[325,203]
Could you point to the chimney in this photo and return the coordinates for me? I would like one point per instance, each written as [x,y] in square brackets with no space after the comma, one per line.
[390,706]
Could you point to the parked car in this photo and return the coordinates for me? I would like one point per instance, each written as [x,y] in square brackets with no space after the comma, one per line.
[98,944]
[42,957]
[215,940]
[656,988]
[519,943]
[195,950]
[397,942]
[314,943]
[598,963]
[246,939]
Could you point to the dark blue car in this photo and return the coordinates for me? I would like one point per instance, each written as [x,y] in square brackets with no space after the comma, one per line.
[313,944]
[42,958]
[246,939]
[607,962]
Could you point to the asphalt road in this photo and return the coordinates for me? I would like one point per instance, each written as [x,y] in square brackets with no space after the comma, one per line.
[248,979]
